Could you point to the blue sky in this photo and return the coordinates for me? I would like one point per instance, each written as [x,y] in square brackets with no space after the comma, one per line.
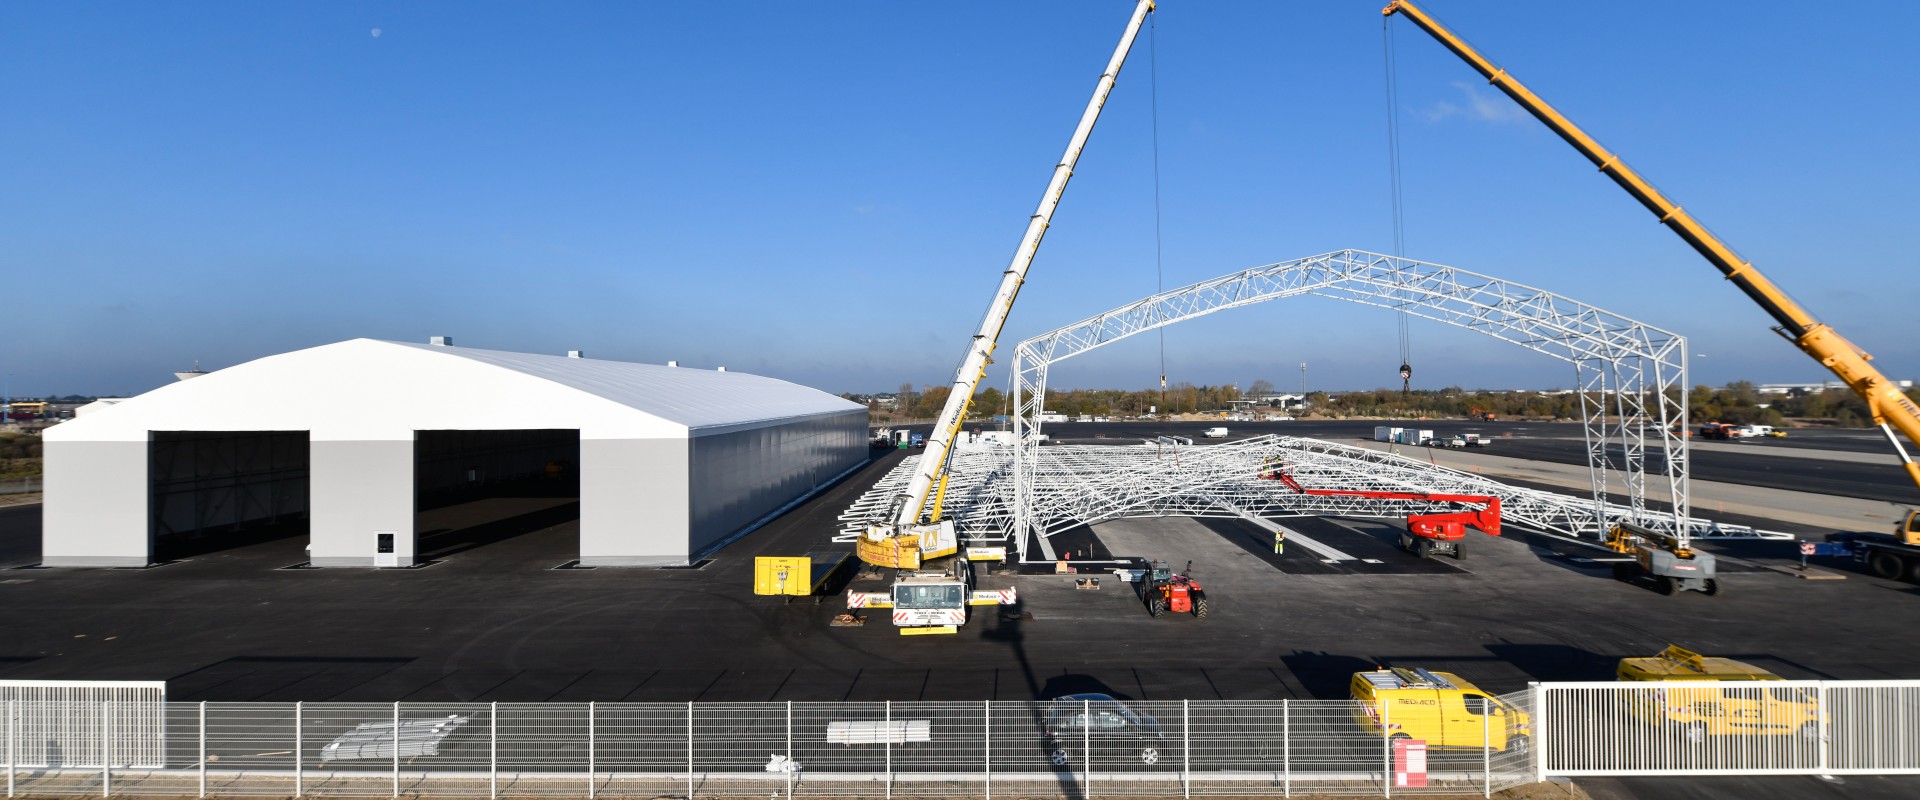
[827,192]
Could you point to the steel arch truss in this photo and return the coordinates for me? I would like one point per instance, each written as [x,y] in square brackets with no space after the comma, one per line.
[1086,484]
[1631,377]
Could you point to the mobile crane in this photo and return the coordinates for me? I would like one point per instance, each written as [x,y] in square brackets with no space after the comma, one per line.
[1427,535]
[913,533]
[1892,556]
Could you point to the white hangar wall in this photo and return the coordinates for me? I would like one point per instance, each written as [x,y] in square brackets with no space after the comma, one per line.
[673,462]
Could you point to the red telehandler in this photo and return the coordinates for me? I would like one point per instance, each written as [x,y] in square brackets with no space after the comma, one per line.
[1427,535]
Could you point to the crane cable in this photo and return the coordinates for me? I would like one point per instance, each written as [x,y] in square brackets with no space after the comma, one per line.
[1159,269]
[1393,174]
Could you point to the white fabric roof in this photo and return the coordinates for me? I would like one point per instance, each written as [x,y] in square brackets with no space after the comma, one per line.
[371,389]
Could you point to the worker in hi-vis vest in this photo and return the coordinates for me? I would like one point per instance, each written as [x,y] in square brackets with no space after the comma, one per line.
[1279,541]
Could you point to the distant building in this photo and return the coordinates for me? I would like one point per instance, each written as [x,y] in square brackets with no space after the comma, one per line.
[1807,388]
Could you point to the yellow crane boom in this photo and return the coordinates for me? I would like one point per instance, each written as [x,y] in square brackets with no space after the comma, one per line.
[1888,405]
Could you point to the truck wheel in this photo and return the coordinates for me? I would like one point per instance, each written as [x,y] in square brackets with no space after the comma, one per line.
[1156,607]
[1519,745]
[1199,605]
[1713,587]
[1460,550]
[1423,548]
[1666,585]
[1887,565]
[1623,572]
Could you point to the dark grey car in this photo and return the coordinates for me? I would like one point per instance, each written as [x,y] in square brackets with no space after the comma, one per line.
[1108,726]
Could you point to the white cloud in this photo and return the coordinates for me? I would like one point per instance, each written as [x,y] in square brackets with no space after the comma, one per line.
[1478,103]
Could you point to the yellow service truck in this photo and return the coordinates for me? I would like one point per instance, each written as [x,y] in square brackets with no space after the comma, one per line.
[1696,713]
[1439,707]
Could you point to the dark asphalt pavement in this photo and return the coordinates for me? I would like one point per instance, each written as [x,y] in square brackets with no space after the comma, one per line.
[493,620]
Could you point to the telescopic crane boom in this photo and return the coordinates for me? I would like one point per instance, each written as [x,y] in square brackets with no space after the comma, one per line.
[904,538]
[1890,407]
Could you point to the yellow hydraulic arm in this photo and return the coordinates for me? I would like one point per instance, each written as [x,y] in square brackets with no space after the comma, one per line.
[1889,406]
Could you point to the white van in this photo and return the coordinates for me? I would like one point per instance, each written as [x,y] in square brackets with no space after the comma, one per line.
[1215,433]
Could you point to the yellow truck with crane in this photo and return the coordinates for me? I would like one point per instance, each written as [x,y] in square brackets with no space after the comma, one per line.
[1694,713]
[1888,406]
[914,531]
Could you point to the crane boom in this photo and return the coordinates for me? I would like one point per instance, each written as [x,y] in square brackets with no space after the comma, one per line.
[980,349]
[1888,405]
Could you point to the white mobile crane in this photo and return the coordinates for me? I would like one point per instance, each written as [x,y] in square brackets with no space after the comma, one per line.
[915,532]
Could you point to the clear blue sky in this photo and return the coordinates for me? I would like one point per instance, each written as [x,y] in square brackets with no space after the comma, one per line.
[827,192]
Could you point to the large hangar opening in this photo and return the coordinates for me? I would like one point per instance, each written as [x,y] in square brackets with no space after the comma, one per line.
[475,488]
[216,490]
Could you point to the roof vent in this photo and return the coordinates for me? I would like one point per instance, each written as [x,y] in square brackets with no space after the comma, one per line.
[673,363]
[441,341]
[723,369]
[576,354]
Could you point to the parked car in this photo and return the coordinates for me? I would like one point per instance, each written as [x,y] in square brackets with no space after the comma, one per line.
[1215,433]
[1105,725]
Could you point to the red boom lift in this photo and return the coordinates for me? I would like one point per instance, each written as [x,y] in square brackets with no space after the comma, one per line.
[1427,534]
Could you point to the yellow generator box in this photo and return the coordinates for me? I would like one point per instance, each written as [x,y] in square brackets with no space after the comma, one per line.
[778,575]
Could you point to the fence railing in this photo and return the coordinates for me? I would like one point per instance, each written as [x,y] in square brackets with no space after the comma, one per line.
[1073,748]
[1068,748]
[22,485]
[1720,728]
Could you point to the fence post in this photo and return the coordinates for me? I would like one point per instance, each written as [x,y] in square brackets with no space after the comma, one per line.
[106,748]
[12,733]
[986,732]
[299,746]
[493,750]
[396,748]
[889,746]
[1820,727]
[1486,748]
[1286,748]
[1542,736]
[203,748]
[593,743]
[1086,748]
[689,750]
[1186,748]
[1386,744]
[789,750]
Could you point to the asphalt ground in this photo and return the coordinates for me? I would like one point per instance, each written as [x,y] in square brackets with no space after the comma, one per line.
[493,619]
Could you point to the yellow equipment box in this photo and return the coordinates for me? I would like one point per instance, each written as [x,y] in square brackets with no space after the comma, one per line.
[798,576]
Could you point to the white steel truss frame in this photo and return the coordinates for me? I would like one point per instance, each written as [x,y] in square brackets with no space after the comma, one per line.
[1631,376]
[1076,485]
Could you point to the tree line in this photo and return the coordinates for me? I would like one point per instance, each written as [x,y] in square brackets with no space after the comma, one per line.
[1739,403]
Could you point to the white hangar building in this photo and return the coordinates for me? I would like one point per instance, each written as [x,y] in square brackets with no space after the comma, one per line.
[354,438]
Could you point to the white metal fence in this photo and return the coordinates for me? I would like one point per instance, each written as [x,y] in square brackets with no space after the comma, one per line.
[1069,748]
[1073,749]
[1719,728]
[50,723]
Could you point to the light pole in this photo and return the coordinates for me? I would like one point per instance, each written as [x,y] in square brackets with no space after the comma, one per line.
[1303,381]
